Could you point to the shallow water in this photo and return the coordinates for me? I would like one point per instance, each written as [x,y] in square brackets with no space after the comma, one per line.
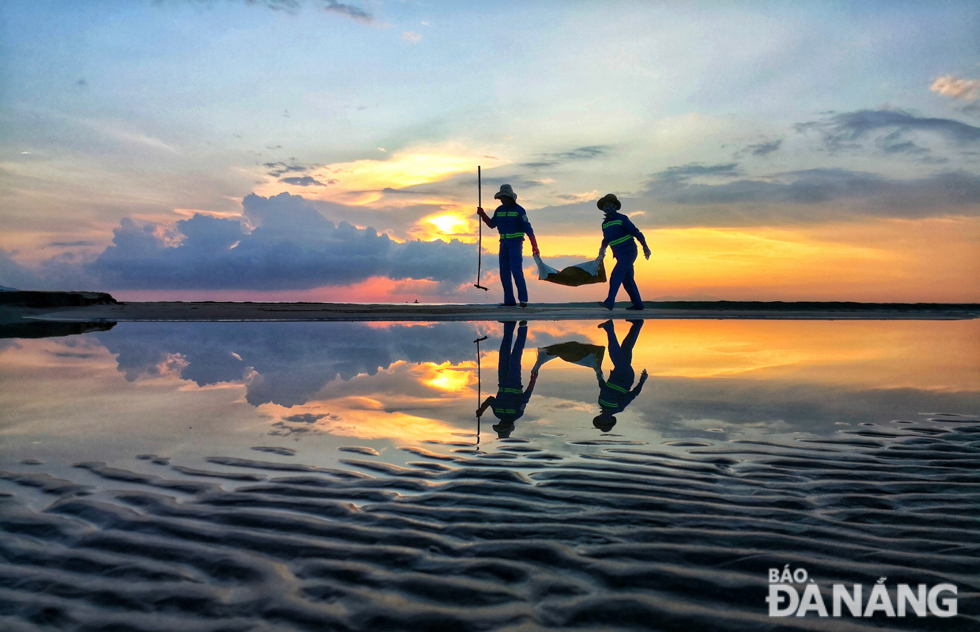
[259,476]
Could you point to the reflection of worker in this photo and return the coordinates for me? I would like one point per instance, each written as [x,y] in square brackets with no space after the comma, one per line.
[511,399]
[510,219]
[615,394]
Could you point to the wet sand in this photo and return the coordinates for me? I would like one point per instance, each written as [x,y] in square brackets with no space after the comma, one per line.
[213,311]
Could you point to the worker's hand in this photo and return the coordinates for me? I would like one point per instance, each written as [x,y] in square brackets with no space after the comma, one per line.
[644,373]
[602,252]
[479,413]
[646,252]
[480,211]
[535,251]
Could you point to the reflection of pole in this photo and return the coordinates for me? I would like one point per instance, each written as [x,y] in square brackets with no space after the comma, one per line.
[479,389]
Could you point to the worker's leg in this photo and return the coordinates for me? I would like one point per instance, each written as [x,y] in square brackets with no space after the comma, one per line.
[629,284]
[517,269]
[616,280]
[516,355]
[630,340]
[503,362]
[505,274]
[615,351]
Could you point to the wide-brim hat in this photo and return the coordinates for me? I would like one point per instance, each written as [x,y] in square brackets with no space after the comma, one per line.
[609,197]
[604,422]
[505,191]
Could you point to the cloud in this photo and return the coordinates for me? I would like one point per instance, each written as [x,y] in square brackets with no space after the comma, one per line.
[844,131]
[283,243]
[683,173]
[875,194]
[412,36]
[580,153]
[763,149]
[71,244]
[349,10]
[277,169]
[953,87]
[307,181]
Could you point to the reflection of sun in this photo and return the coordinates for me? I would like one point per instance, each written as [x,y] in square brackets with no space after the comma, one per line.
[447,380]
[450,224]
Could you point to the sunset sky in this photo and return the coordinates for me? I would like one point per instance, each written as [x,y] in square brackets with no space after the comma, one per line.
[324,150]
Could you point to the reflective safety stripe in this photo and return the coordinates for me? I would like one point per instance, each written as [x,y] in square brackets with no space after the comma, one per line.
[617,388]
[620,240]
[508,214]
[608,405]
[511,390]
[504,411]
[511,235]
[615,222]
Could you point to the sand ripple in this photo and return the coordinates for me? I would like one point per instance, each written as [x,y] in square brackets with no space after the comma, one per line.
[625,536]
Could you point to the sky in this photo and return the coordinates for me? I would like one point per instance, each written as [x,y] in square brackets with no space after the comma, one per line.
[324,150]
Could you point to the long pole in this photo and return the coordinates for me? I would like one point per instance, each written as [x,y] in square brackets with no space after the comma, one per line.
[479,223]
[479,389]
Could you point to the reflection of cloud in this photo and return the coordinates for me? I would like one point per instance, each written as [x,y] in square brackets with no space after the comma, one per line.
[285,363]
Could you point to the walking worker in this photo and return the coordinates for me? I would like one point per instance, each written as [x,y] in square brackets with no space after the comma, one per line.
[510,220]
[618,232]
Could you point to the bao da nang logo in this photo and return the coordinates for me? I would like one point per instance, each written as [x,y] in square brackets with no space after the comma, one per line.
[793,593]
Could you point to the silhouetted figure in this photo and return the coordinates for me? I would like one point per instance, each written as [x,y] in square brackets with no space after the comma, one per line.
[510,220]
[618,232]
[511,398]
[615,394]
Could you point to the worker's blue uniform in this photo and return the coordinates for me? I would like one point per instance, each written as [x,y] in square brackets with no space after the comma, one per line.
[511,399]
[511,222]
[615,394]
[618,232]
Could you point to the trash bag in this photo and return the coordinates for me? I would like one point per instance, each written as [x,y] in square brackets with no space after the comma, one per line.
[574,352]
[578,274]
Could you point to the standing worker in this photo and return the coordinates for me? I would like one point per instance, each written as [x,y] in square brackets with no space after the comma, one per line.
[510,220]
[618,233]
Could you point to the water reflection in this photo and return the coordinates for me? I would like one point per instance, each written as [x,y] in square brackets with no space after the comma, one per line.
[616,393]
[418,382]
[511,399]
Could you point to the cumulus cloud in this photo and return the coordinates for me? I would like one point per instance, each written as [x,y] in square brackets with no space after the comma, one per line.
[956,88]
[412,36]
[283,243]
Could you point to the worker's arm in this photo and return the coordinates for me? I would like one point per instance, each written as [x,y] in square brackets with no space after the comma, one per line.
[530,386]
[633,230]
[489,221]
[483,407]
[530,235]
